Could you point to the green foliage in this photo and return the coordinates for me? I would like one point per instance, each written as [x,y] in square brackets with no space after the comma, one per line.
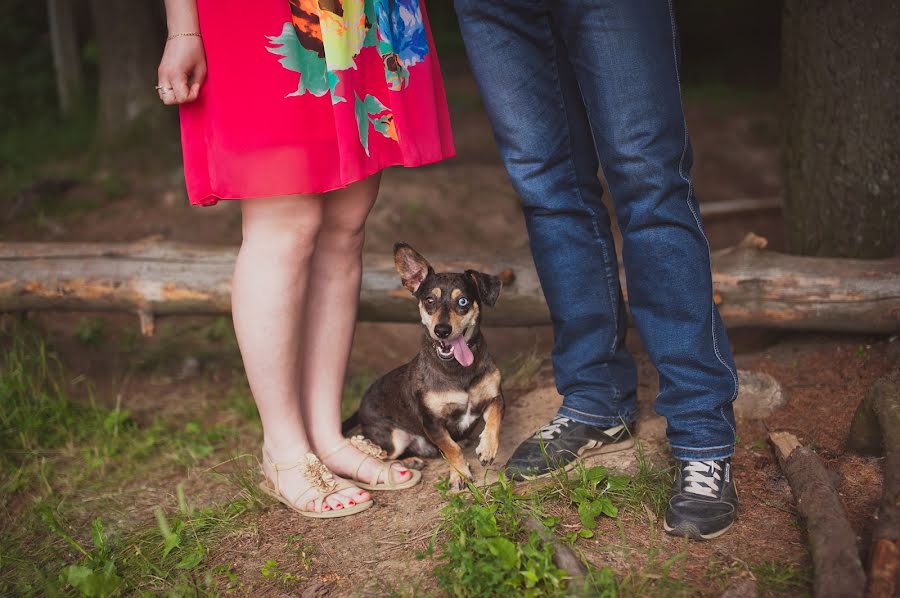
[487,552]
[52,447]
[648,489]
[36,411]
[97,575]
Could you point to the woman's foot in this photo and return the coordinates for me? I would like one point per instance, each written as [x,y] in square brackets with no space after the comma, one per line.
[292,484]
[361,464]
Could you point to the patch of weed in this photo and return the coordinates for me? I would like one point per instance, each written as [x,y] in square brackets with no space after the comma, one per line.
[649,488]
[781,578]
[64,459]
[487,552]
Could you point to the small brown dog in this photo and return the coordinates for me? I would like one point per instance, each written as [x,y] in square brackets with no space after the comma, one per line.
[435,400]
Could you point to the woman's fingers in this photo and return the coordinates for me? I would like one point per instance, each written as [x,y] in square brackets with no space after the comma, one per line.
[197,79]
[181,90]
[166,93]
[193,92]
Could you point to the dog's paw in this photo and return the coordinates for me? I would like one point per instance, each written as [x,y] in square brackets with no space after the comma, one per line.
[458,479]
[457,483]
[414,463]
[486,451]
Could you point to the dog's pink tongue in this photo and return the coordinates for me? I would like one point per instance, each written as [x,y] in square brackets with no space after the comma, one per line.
[461,351]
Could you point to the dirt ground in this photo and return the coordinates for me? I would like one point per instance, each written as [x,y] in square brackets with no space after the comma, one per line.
[467,205]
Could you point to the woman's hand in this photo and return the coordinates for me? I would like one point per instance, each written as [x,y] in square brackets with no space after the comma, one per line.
[181,70]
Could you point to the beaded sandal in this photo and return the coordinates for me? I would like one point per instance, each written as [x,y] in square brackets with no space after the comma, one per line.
[385,479]
[321,483]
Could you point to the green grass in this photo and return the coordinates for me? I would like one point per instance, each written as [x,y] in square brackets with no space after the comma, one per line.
[487,552]
[781,578]
[65,458]
[483,549]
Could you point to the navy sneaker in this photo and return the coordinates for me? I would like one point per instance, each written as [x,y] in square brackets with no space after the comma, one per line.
[704,500]
[560,444]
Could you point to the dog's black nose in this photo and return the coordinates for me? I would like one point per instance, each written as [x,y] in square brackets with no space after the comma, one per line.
[443,330]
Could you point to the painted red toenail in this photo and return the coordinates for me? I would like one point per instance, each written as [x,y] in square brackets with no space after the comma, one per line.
[350,503]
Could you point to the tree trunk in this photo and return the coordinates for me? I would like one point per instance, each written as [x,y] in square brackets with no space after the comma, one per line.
[752,287]
[130,38]
[66,55]
[841,81]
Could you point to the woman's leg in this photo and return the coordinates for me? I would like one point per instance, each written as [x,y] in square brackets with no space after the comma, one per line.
[269,288]
[331,306]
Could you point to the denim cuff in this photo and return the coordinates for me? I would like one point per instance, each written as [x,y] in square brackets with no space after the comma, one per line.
[683,453]
[601,421]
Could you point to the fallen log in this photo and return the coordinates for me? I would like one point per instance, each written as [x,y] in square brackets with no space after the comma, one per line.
[743,206]
[837,568]
[752,287]
[876,431]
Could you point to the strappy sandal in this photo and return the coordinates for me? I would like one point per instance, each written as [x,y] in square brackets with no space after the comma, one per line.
[321,482]
[388,472]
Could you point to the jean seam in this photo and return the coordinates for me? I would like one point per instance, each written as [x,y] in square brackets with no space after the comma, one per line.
[692,448]
[687,201]
[595,416]
[574,180]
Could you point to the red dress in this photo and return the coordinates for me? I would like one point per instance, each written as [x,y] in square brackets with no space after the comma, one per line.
[307,96]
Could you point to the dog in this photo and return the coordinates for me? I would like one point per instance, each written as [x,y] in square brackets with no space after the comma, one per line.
[425,407]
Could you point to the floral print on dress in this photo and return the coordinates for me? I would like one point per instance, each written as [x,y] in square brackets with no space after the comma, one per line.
[324,37]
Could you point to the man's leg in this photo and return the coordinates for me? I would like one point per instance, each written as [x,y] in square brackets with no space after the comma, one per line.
[625,56]
[539,121]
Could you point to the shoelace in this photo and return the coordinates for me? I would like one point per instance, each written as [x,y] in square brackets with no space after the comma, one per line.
[702,478]
[553,429]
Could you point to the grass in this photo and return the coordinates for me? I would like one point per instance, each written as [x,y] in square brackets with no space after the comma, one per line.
[76,516]
[482,548]
[781,578]
[61,454]
[487,552]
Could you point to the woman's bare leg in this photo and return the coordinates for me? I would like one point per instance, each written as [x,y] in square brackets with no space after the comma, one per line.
[269,288]
[331,315]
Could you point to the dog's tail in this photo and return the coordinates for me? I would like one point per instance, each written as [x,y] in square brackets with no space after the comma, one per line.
[350,423]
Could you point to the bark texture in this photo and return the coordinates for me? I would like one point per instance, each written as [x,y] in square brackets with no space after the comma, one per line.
[130,38]
[752,287]
[836,564]
[876,430]
[66,54]
[841,81]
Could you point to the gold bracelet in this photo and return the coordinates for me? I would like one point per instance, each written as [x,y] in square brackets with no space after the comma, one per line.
[174,35]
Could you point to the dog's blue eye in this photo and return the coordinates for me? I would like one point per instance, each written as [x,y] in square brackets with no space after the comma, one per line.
[463,302]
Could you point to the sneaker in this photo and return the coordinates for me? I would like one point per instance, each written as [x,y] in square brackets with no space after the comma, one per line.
[561,443]
[704,500]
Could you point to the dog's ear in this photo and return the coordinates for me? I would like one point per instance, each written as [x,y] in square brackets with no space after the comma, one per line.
[412,267]
[488,286]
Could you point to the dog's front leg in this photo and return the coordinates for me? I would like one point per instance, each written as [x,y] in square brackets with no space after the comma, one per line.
[490,435]
[459,469]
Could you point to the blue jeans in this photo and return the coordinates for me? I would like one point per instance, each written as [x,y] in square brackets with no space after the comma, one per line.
[569,86]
